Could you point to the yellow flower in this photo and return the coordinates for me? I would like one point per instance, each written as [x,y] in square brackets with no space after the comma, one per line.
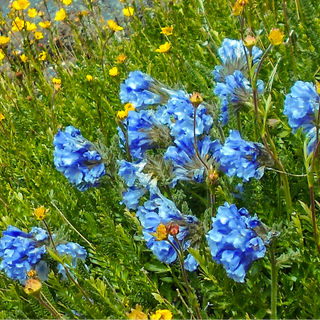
[114,72]
[237,9]
[121,58]
[17,24]
[121,115]
[167,30]
[38,35]
[2,117]
[89,77]
[137,314]
[276,36]
[60,15]
[162,315]
[161,233]
[24,58]
[164,47]
[32,13]
[84,13]
[42,56]
[45,24]
[114,26]
[20,4]
[41,13]
[129,107]
[128,12]
[33,287]
[67,2]
[4,40]
[2,55]
[31,26]
[40,213]
[56,81]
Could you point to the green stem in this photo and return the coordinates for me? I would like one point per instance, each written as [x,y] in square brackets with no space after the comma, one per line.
[66,268]
[274,284]
[47,307]
[192,297]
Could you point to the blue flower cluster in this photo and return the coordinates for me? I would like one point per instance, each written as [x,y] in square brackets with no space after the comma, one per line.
[161,210]
[77,158]
[187,165]
[233,241]
[233,87]
[21,251]
[233,56]
[71,250]
[145,131]
[244,159]
[138,90]
[300,106]
[171,127]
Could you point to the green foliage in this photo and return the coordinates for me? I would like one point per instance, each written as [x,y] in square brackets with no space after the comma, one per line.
[120,271]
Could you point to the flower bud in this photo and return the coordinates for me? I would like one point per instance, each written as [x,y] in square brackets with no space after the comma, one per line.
[196,99]
[172,228]
[249,42]
[33,287]
[32,273]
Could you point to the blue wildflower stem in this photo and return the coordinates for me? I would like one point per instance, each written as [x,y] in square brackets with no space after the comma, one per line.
[311,190]
[52,109]
[192,297]
[63,264]
[44,304]
[273,154]
[274,283]
[254,80]
[125,133]
[283,174]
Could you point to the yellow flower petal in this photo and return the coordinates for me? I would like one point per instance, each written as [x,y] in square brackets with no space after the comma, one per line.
[128,12]
[168,31]
[4,40]
[164,47]
[60,15]
[276,36]
[114,72]
[114,26]
[32,13]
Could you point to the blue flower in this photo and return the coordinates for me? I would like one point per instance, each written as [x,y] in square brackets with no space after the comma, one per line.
[21,251]
[187,165]
[129,171]
[300,106]
[137,89]
[161,210]
[190,263]
[178,114]
[244,159]
[77,158]
[132,196]
[235,91]
[233,56]
[73,251]
[233,241]
[145,132]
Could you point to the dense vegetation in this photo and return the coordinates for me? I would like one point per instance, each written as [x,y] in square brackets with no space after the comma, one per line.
[64,68]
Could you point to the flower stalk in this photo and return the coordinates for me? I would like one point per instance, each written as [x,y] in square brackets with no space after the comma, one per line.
[192,297]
